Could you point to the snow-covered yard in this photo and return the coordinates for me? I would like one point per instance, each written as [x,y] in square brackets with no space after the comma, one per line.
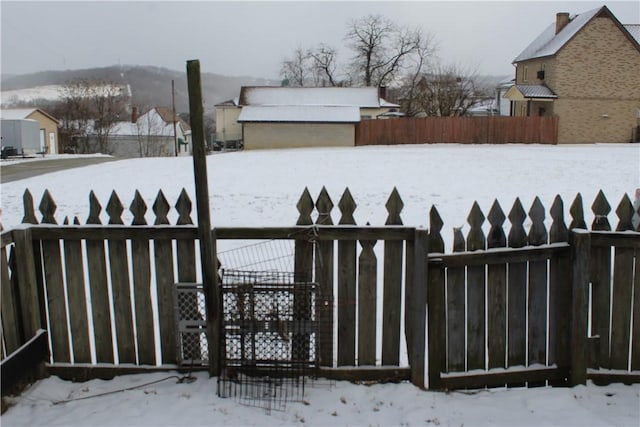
[168,403]
[261,188]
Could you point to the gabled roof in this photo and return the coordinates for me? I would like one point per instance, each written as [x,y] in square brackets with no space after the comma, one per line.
[306,114]
[23,113]
[362,97]
[548,43]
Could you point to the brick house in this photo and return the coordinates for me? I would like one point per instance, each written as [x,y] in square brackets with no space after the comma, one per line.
[583,69]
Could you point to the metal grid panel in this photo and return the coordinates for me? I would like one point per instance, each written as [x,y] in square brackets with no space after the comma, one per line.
[191,324]
[270,331]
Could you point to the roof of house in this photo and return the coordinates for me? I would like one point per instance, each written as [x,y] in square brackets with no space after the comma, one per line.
[156,121]
[548,43]
[307,114]
[23,113]
[228,103]
[530,91]
[362,97]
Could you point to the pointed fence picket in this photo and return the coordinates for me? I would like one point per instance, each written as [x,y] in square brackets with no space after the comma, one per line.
[496,306]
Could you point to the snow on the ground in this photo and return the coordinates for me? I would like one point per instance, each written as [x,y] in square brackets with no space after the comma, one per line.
[262,188]
[169,403]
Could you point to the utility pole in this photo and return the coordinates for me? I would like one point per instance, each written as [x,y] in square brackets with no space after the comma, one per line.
[173,109]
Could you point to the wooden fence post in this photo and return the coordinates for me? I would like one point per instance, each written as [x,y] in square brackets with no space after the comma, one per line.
[207,249]
[580,246]
[28,286]
[416,306]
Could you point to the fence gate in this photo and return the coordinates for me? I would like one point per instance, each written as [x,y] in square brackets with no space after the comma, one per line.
[270,337]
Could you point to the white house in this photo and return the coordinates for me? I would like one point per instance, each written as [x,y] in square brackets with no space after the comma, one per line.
[286,117]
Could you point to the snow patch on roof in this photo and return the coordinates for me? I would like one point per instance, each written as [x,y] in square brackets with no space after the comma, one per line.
[16,113]
[316,114]
[549,43]
[363,97]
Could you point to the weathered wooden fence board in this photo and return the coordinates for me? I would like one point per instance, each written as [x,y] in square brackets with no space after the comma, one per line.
[324,277]
[367,298]
[9,307]
[456,311]
[476,285]
[621,307]
[346,308]
[537,298]
[78,320]
[436,305]
[516,285]
[496,292]
[392,287]
[635,349]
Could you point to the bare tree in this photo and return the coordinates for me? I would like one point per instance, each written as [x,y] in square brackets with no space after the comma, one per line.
[324,65]
[109,106]
[295,69]
[74,110]
[448,90]
[380,48]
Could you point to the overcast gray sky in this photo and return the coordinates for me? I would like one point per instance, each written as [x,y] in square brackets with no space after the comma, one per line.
[252,38]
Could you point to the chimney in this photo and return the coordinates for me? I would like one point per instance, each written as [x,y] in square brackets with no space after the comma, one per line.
[382,92]
[562,19]
[134,114]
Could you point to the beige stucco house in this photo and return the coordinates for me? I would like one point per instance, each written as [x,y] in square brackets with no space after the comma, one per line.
[48,125]
[585,70]
[286,117]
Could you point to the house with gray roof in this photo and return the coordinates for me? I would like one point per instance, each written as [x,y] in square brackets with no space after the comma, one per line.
[583,69]
[288,117]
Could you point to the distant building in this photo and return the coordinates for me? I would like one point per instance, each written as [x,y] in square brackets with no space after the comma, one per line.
[287,117]
[585,69]
[47,136]
[148,135]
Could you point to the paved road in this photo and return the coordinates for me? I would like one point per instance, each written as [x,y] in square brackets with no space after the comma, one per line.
[9,172]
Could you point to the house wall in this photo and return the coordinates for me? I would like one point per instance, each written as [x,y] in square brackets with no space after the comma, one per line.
[597,75]
[51,131]
[227,126]
[295,135]
[130,146]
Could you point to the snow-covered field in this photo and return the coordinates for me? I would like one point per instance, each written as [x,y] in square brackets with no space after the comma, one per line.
[261,188]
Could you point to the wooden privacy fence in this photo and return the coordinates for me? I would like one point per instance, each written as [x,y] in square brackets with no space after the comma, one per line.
[502,308]
[462,130]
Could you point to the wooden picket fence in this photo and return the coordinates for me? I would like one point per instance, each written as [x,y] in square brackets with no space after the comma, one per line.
[461,130]
[502,308]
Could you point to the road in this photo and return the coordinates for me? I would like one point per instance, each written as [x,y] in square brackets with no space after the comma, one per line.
[24,170]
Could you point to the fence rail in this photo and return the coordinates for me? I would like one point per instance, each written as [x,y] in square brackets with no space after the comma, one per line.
[105,292]
[462,130]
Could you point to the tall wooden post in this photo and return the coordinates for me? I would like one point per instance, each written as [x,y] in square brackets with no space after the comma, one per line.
[205,234]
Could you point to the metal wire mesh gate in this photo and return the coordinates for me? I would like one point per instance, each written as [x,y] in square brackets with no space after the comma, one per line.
[270,333]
